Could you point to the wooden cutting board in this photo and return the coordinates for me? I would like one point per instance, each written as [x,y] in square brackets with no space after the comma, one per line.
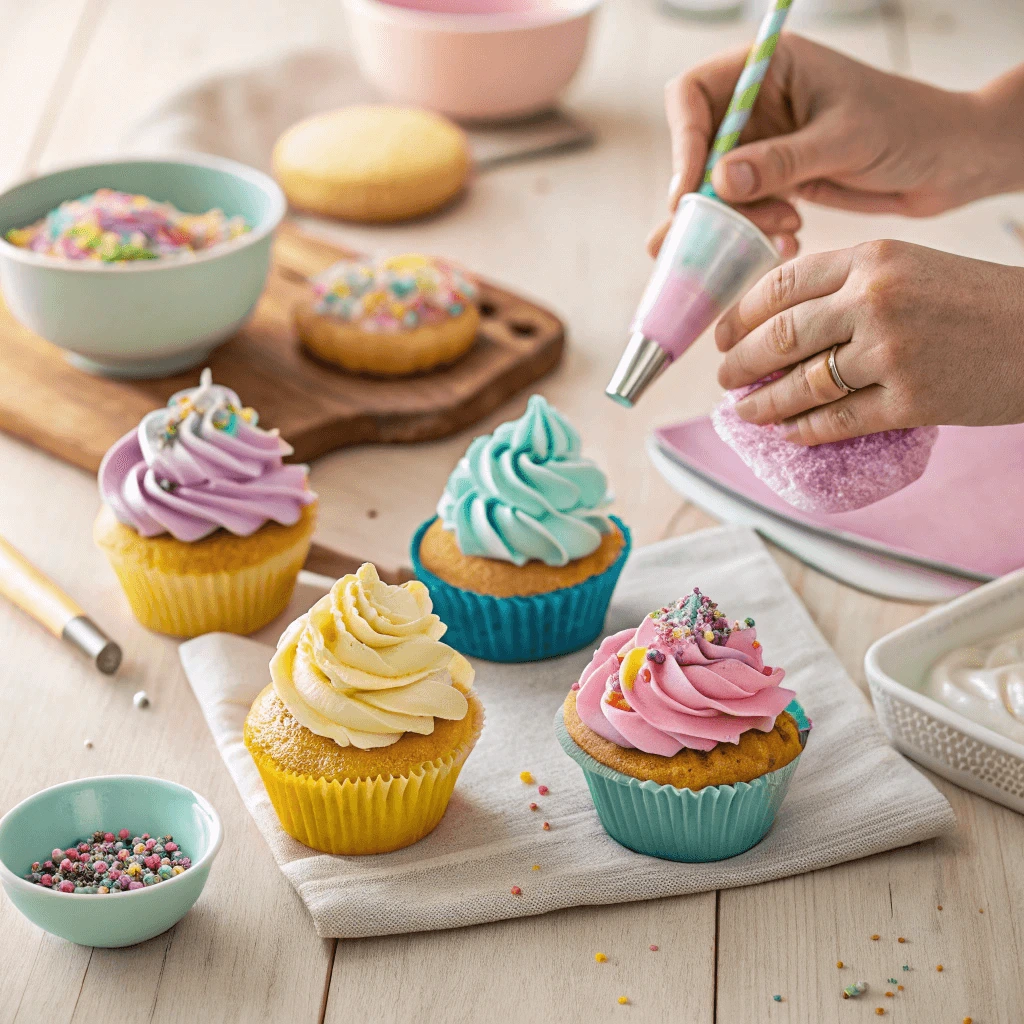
[75,416]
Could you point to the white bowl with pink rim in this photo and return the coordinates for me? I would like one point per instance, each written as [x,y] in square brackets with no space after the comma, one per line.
[474,60]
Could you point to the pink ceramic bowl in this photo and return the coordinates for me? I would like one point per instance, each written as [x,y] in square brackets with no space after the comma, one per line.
[474,60]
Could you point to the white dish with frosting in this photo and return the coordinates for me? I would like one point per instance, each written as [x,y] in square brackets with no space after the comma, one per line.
[949,689]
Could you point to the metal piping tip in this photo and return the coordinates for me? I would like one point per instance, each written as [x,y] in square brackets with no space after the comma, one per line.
[641,364]
[94,643]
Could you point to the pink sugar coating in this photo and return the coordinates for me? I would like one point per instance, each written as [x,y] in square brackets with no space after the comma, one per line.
[836,477]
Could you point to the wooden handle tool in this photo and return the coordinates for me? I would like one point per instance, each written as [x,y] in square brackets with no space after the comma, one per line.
[22,583]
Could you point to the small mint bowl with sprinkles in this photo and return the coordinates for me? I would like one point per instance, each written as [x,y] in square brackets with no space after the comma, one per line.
[138,267]
[162,838]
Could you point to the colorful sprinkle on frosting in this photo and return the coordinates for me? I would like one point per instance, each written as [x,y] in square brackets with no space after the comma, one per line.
[400,293]
[118,227]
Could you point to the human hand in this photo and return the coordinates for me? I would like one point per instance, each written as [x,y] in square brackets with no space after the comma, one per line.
[831,130]
[924,337]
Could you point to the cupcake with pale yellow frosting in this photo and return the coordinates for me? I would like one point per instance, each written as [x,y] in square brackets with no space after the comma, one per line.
[367,721]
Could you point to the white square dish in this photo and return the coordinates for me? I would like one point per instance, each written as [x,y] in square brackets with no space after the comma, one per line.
[971,755]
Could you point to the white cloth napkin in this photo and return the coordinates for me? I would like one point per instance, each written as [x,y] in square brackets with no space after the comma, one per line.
[852,794]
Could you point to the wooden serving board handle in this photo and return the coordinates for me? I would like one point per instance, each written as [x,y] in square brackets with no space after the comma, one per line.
[328,562]
[37,595]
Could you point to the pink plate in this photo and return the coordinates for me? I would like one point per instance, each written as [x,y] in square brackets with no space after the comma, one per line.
[964,513]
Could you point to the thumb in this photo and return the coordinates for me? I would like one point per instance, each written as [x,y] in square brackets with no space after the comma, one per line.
[772,167]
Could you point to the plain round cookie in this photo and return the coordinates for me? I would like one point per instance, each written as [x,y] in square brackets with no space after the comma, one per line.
[372,163]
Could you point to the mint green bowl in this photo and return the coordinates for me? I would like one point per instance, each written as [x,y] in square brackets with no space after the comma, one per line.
[71,811]
[708,824]
[145,318]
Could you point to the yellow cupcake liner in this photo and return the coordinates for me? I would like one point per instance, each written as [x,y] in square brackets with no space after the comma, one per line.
[232,600]
[356,817]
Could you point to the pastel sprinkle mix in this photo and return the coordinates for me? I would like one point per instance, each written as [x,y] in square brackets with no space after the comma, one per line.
[600,958]
[525,777]
[516,891]
[117,227]
[399,293]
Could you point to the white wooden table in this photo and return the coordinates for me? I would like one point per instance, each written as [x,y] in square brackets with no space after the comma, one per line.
[73,75]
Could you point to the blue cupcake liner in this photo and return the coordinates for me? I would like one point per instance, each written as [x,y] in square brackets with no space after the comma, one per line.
[707,824]
[514,629]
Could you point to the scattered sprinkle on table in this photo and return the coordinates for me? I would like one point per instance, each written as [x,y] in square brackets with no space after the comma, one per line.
[116,227]
[940,906]
[110,863]
[543,790]
[526,778]
[899,988]
[968,1020]
[516,891]
[880,1010]
[906,967]
[892,981]
[858,988]
[901,939]
[981,910]
[653,948]
[938,967]
[875,938]
[890,995]
[777,998]
[88,744]
[623,1000]
[536,867]
[546,826]
[141,699]
[600,958]
[839,964]
[533,805]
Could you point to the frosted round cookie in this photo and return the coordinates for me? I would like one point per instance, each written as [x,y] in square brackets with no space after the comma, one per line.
[372,163]
[399,316]
[836,477]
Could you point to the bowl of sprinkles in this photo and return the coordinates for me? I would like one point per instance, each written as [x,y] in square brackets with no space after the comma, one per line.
[108,861]
[138,267]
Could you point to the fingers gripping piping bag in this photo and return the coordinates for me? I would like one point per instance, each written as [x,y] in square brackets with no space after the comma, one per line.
[710,257]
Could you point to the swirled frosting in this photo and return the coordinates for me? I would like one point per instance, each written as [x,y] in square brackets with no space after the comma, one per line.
[199,465]
[366,664]
[525,492]
[684,678]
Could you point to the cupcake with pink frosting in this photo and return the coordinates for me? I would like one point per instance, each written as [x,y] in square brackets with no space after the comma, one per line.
[202,521]
[686,738]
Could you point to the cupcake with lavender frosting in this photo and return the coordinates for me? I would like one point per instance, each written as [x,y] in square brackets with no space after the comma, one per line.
[202,521]
[686,738]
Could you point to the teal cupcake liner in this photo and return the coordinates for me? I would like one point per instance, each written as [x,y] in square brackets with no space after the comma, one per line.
[515,629]
[708,824]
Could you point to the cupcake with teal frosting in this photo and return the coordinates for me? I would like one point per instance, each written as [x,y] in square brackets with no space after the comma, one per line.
[521,558]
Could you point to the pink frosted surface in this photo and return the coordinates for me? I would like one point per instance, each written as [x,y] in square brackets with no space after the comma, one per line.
[837,477]
[963,512]
[682,312]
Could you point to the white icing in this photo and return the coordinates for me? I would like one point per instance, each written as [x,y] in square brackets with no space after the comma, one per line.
[985,683]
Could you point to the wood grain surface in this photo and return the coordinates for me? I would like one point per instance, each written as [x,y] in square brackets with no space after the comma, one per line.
[76,416]
[74,79]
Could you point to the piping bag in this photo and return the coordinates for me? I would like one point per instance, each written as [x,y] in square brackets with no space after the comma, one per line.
[711,254]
